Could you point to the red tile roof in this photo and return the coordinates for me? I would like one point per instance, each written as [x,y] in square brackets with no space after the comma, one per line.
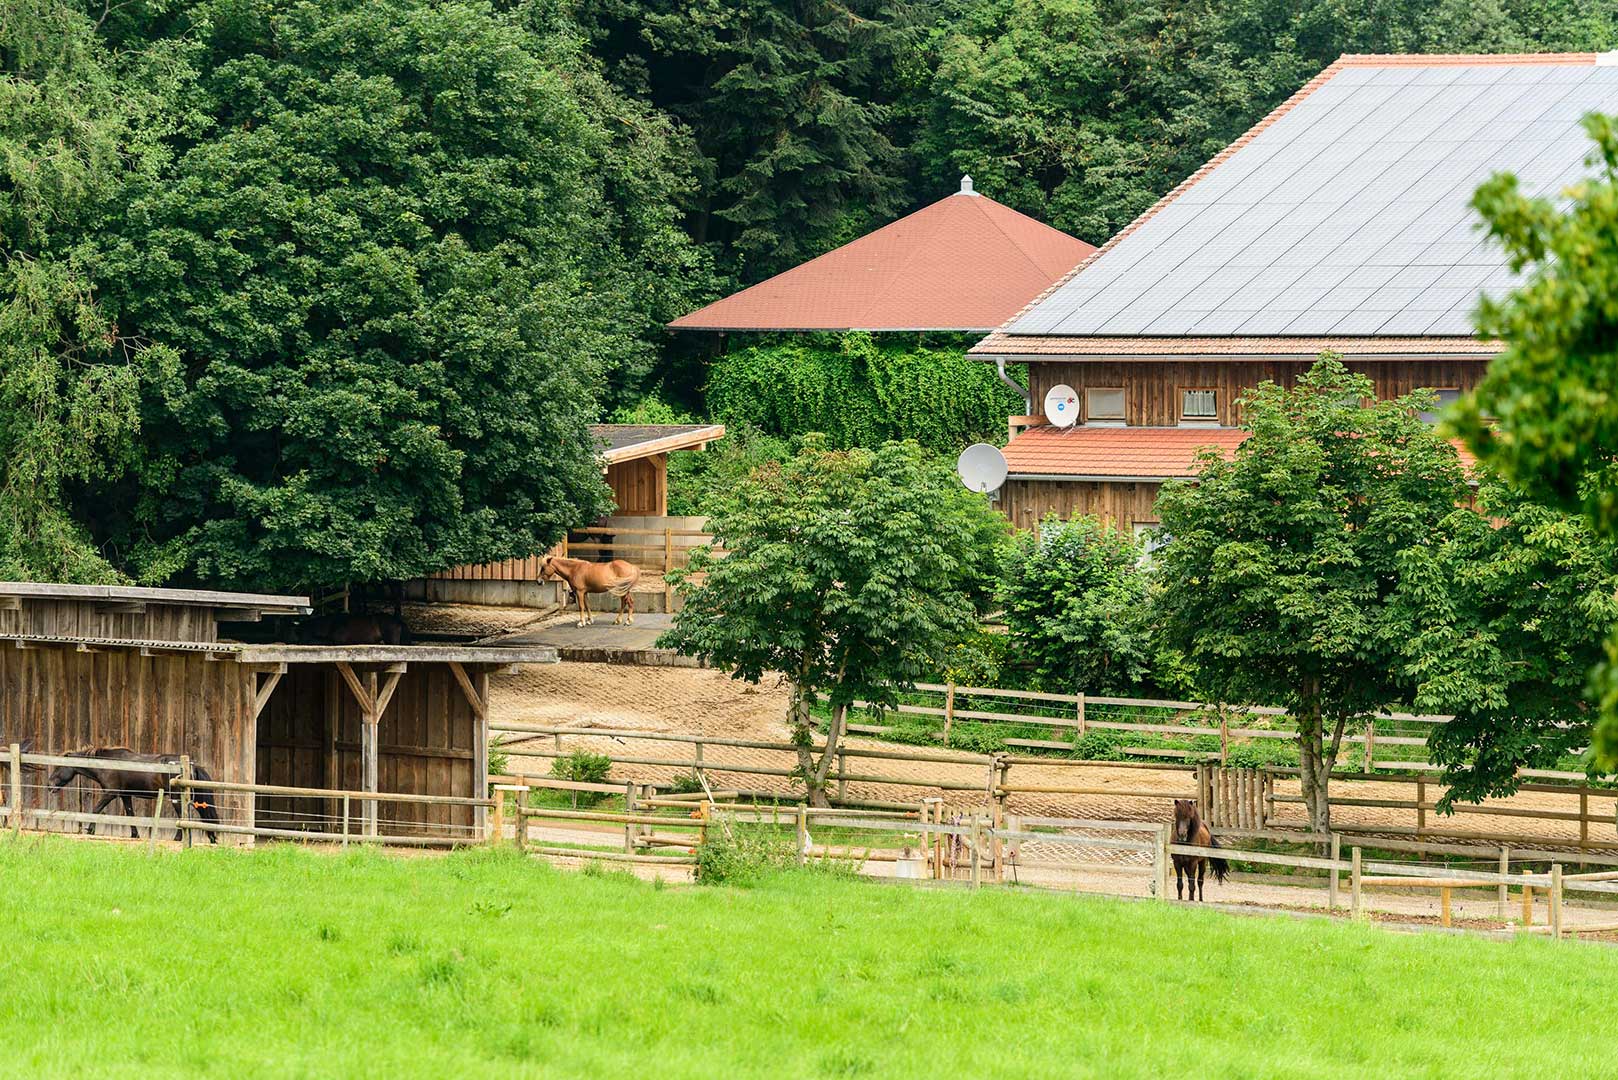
[1120,453]
[1114,453]
[1237,348]
[964,263]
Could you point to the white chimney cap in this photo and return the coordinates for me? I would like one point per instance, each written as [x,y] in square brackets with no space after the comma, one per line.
[966,186]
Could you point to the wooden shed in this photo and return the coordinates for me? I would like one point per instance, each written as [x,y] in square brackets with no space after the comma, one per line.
[84,666]
[635,458]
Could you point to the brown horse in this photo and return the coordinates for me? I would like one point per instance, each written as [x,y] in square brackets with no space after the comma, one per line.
[1189,829]
[616,577]
[128,785]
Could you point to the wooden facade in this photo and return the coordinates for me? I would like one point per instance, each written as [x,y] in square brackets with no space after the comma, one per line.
[1152,388]
[1124,504]
[640,487]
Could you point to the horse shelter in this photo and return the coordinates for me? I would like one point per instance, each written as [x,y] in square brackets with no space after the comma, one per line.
[148,669]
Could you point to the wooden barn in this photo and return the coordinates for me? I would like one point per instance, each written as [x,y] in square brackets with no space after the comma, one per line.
[148,669]
[635,458]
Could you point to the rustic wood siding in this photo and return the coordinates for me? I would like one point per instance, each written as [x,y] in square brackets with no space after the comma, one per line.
[1025,502]
[65,700]
[640,486]
[92,619]
[1151,388]
[426,745]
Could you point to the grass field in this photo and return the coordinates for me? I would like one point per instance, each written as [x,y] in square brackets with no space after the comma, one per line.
[289,963]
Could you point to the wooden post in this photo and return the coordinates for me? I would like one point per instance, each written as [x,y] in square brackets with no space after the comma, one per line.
[995,823]
[1354,886]
[1527,901]
[345,821]
[1421,804]
[186,802]
[842,774]
[1504,900]
[949,708]
[497,820]
[16,789]
[668,550]
[1224,739]
[696,767]
[977,850]
[1160,862]
[1331,887]
[1443,906]
[522,818]
[1370,745]
[803,834]
[629,808]
[1556,900]
[1584,817]
[157,816]
[1083,724]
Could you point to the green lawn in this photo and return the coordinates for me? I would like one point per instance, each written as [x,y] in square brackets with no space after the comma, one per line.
[285,963]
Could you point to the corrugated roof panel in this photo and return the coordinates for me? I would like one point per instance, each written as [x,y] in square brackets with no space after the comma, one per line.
[1355,200]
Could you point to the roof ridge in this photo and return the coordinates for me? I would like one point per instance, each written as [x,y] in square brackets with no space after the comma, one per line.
[1009,238]
[1441,59]
[910,256]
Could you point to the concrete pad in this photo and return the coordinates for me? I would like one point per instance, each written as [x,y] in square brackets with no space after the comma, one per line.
[603,642]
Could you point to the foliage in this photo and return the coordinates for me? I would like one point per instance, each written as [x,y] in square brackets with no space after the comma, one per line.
[1304,569]
[583,767]
[859,393]
[1075,603]
[686,784]
[1546,414]
[499,757]
[743,856]
[848,571]
[1534,595]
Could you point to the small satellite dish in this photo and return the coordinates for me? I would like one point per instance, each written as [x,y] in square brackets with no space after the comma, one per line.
[1062,405]
[982,468]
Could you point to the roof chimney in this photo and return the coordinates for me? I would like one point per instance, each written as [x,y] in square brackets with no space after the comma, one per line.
[966,186]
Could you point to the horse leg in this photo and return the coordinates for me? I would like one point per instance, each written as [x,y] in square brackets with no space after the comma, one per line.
[629,603]
[619,618]
[579,593]
[106,800]
[1202,872]
[1179,869]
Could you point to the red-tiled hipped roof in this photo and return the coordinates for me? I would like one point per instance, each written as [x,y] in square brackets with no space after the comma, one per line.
[1114,453]
[1124,453]
[964,263]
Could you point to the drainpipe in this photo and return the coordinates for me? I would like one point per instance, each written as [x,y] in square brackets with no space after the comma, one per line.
[1022,391]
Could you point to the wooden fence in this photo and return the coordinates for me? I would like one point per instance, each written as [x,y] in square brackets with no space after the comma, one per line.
[652,547]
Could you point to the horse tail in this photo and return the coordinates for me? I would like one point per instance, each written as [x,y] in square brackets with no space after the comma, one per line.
[621,586]
[206,808]
[1220,866]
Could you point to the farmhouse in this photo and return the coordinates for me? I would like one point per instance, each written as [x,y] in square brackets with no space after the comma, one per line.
[1340,222]
[149,669]
[964,263]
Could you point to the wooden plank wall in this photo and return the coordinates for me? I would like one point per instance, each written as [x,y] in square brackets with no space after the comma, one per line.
[65,700]
[1151,388]
[640,486]
[427,738]
[1025,502]
[85,618]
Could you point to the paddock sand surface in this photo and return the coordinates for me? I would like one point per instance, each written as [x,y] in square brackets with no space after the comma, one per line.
[698,701]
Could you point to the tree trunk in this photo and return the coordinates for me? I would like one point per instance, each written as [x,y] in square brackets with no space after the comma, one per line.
[802,723]
[1314,767]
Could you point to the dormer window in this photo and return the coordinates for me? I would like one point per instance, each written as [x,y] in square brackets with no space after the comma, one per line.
[1104,405]
[1199,407]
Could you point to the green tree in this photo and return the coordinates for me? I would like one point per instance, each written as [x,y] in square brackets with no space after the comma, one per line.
[1534,593]
[1299,572]
[849,573]
[1546,413]
[400,247]
[1075,602]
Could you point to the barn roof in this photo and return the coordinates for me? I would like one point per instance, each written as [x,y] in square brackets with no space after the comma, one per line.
[40,590]
[1113,454]
[626,442]
[1344,214]
[964,263]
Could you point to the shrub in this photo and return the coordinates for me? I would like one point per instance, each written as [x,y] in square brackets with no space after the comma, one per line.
[976,738]
[499,759]
[734,855]
[583,767]
[1098,746]
[686,784]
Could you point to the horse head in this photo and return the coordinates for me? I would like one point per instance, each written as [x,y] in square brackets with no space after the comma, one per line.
[547,572]
[1185,812]
[63,775]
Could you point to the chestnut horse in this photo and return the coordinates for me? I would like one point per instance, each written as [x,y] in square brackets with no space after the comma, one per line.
[1189,829]
[616,577]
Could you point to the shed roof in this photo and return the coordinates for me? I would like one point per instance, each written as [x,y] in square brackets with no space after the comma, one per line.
[1113,454]
[964,263]
[40,590]
[1343,214]
[626,442]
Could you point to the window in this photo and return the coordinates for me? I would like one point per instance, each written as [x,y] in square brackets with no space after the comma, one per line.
[1446,398]
[1199,406]
[1150,537]
[1104,405]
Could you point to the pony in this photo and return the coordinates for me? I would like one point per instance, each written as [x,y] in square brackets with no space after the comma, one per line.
[616,577]
[128,785]
[1190,829]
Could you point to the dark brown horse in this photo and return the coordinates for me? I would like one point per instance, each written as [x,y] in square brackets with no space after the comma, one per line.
[1189,829]
[129,785]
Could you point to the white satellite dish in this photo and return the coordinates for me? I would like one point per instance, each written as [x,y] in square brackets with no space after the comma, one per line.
[1062,405]
[982,468]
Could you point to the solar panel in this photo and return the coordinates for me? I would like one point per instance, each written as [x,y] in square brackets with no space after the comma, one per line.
[1351,214]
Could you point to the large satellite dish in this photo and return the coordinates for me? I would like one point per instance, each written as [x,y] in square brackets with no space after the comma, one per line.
[982,468]
[1062,405]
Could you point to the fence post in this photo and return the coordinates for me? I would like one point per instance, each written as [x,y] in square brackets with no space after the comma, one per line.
[16,789]
[1421,804]
[1082,721]
[1160,862]
[842,774]
[1527,901]
[697,767]
[1584,817]
[668,550]
[977,850]
[1370,745]
[803,834]
[157,816]
[1354,885]
[1505,868]
[949,708]
[629,808]
[522,818]
[1556,901]
[345,821]
[1224,738]
[1331,887]
[497,826]
[185,803]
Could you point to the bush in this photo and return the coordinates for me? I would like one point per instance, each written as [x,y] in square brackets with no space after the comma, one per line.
[976,738]
[1098,746]
[734,855]
[584,768]
[686,784]
[1265,752]
[499,760]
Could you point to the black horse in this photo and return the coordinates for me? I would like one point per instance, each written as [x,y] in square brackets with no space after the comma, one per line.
[1189,829]
[129,785]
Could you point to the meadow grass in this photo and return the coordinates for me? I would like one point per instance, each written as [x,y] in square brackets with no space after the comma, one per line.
[284,962]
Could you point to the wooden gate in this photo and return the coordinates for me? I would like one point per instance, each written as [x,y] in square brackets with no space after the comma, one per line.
[1233,798]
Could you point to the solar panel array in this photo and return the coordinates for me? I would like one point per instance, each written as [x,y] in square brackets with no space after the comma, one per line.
[1348,216]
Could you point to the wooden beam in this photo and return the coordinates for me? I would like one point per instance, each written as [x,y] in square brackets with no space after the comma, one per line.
[10,603]
[369,745]
[367,703]
[121,607]
[238,614]
[479,707]
[388,687]
[261,696]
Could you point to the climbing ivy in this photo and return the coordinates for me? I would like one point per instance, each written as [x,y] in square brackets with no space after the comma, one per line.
[859,392]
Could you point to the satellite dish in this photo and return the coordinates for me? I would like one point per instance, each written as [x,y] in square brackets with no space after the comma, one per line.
[982,468]
[1062,405]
